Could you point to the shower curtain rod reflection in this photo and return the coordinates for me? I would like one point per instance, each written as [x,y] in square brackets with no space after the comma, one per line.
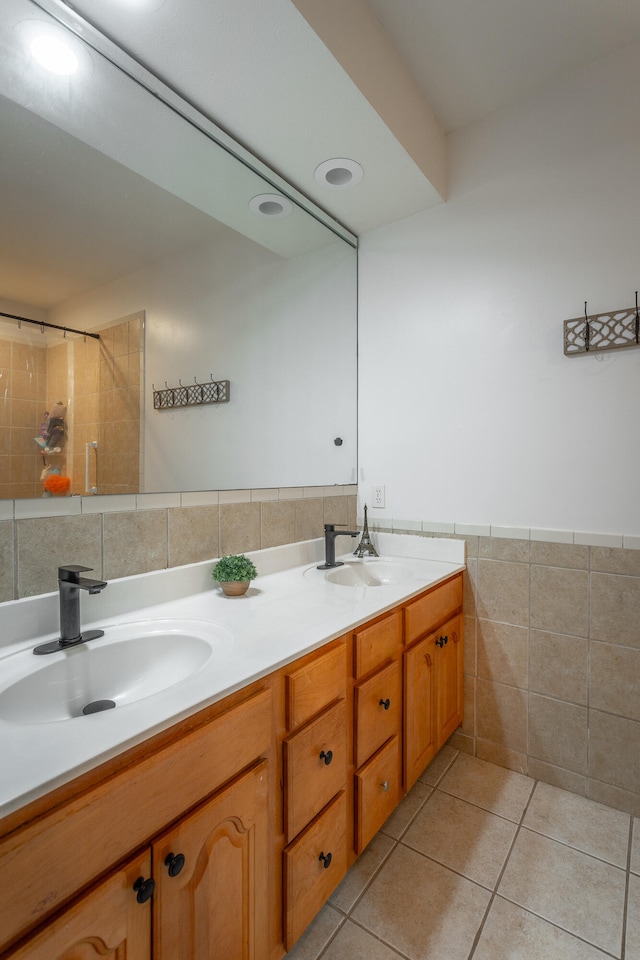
[53,326]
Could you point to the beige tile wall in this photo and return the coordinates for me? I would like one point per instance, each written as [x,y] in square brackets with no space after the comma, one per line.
[121,542]
[552,667]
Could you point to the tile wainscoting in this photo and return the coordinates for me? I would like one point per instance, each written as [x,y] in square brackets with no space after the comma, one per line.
[552,668]
[123,536]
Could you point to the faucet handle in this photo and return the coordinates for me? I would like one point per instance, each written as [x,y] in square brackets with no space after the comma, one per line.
[71,572]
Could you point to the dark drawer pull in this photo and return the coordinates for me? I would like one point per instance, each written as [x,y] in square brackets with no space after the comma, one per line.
[327,757]
[385,703]
[144,889]
[326,859]
[174,862]
[442,641]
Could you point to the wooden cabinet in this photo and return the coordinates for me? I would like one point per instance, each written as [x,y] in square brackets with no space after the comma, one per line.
[108,922]
[75,844]
[246,816]
[433,675]
[211,873]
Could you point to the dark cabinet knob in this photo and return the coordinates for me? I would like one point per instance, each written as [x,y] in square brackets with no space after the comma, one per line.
[144,889]
[442,641]
[327,757]
[174,862]
[326,859]
[385,703]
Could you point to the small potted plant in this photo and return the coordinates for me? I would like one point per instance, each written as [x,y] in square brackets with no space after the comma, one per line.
[234,574]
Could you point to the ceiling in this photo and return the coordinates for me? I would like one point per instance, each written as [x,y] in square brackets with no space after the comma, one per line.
[378,81]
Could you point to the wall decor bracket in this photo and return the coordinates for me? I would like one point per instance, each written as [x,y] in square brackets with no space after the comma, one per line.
[602,331]
[193,395]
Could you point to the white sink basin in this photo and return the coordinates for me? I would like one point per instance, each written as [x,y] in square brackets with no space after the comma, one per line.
[132,661]
[369,573]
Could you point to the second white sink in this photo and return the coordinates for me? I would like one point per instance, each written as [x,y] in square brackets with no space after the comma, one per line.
[368,573]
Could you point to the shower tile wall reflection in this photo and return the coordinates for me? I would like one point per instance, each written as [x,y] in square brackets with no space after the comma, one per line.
[23,392]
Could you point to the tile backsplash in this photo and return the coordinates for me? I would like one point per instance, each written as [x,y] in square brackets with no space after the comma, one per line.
[122,536]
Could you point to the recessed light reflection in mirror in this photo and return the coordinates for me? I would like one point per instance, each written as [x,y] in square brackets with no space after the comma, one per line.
[54,49]
[270,205]
[54,55]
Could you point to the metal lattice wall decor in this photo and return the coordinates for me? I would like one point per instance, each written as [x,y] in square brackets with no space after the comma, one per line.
[602,331]
[194,395]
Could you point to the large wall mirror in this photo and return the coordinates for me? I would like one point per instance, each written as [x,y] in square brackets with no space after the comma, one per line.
[122,215]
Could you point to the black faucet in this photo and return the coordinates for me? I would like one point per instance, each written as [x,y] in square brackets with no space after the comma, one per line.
[70,583]
[330,534]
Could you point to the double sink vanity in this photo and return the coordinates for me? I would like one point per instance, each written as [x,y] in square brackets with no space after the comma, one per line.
[250,750]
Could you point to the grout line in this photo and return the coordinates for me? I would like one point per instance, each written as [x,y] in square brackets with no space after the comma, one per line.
[626,892]
[494,892]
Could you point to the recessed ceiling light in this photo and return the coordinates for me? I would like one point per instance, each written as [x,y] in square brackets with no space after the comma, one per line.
[54,54]
[339,174]
[270,205]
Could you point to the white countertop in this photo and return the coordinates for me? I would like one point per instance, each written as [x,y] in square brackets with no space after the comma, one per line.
[290,609]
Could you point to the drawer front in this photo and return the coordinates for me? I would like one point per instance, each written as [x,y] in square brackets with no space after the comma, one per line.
[309,875]
[315,767]
[429,611]
[377,643]
[377,792]
[378,710]
[314,686]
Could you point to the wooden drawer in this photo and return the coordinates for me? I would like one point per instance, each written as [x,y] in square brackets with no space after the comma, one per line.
[54,856]
[433,608]
[378,710]
[308,879]
[315,685]
[377,792]
[315,767]
[377,643]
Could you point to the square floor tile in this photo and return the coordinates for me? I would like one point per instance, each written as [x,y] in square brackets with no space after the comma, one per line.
[422,909]
[493,788]
[361,873]
[406,810]
[439,765]
[579,822]
[317,935]
[582,895]
[510,933]
[354,943]
[463,837]
[633,919]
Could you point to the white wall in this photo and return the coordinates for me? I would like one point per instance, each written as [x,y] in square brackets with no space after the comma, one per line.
[271,326]
[469,411]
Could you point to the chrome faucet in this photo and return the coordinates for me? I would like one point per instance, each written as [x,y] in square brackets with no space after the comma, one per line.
[330,534]
[70,583]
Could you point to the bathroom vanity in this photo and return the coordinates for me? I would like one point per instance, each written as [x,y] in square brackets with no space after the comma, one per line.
[222,831]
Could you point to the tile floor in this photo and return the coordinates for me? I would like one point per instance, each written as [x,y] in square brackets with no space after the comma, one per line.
[481,863]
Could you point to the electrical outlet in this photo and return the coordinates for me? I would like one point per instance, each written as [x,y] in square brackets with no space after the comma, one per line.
[377,496]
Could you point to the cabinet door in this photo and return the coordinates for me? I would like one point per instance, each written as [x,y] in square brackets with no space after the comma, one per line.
[107,924]
[449,661]
[419,709]
[216,902]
